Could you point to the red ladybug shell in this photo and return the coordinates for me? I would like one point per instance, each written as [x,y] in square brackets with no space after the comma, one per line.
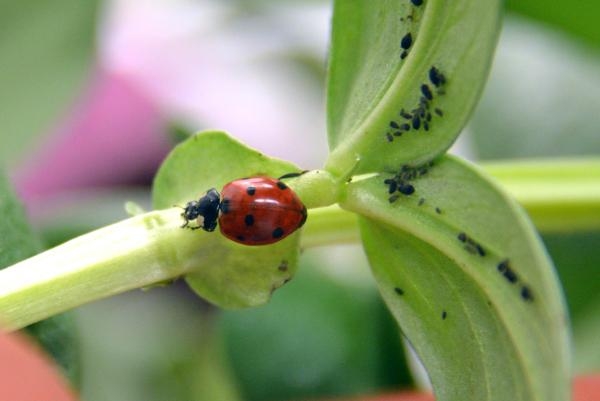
[259,211]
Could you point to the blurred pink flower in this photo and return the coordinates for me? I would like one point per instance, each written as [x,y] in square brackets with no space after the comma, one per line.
[203,64]
[114,136]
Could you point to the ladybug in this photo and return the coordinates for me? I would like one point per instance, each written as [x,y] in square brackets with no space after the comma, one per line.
[250,211]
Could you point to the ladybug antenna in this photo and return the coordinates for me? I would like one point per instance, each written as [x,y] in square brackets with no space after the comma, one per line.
[293,175]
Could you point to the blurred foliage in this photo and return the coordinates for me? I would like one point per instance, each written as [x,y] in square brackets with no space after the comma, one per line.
[577,259]
[46,49]
[56,335]
[578,17]
[319,336]
[154,345]
[541,99]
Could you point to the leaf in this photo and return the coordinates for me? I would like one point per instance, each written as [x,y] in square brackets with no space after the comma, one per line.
[370,84]
[230,275]
[469,283]
[18,241]
[45,51]
[56,334]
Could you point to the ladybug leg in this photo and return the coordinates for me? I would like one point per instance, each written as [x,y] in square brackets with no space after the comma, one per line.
[187,225]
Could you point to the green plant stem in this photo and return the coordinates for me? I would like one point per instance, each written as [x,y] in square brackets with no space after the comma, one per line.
[152,248]
[559,195]
[136,252]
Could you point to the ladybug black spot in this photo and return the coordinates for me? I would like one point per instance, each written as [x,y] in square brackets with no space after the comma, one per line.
[241,238]
[251,190]
[281,185]
[249,220]
[278,232]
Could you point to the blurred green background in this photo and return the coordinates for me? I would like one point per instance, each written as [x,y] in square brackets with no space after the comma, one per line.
[327,333]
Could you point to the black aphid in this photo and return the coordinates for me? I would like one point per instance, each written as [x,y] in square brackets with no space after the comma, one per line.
[406,41]
[406,115]
[526,293]
[406,189]
[426,92]
[416,122]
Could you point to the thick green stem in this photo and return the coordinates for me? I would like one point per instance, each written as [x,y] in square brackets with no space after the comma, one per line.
[137,252]
[559,195]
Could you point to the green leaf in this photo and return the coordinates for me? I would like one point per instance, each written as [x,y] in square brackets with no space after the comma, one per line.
[231,275]
[577,263]
[46,49]
[577,18]
[18,241]
[56,335]
[369,83]
[465,275]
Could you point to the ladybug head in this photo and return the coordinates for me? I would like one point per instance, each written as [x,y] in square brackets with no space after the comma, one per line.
[205,209]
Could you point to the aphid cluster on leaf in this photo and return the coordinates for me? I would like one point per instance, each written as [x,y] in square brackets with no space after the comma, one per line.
[471,245]
[400,184]
[420,116]
[505,268]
